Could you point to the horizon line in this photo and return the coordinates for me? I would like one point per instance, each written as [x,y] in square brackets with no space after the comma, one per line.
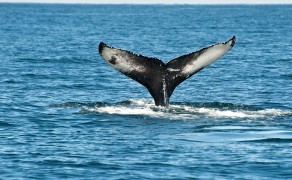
[92,3]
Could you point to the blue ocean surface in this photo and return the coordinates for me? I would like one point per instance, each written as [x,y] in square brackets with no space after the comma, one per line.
[66,114]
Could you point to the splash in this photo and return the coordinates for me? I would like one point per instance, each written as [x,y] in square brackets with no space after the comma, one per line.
[176,111]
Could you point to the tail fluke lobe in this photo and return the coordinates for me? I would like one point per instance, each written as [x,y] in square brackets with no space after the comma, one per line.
[138,67]
[147,71]
[159,78]
[183,67]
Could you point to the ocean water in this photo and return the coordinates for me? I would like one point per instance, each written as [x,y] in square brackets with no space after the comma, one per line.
[65,114]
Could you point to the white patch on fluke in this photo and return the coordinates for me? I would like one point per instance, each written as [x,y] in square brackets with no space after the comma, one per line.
[211,54]
[121,61]
[172,70]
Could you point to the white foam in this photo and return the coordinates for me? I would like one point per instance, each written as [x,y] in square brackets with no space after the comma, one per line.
[142,102]
[176,112]
[127,111]
[275,112]
[136,107]
[214,112]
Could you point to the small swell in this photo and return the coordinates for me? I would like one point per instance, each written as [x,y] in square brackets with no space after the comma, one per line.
[5,124]
[272,140]
[268,135]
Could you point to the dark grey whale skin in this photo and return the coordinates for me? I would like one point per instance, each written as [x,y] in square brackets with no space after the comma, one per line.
[159,78]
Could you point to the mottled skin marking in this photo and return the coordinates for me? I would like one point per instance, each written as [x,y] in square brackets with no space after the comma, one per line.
[159,78]
[113,60]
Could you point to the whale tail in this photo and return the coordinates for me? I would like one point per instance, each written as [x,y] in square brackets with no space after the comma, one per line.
[159,78]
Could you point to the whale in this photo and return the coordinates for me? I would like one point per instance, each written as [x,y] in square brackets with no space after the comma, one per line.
[158,77]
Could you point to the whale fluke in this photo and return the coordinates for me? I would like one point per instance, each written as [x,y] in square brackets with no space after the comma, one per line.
[159,78]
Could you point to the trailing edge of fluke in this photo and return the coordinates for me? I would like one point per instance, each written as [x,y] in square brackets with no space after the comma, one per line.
[159,78]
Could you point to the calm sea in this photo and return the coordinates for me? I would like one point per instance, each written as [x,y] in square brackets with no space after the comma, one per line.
[65,114]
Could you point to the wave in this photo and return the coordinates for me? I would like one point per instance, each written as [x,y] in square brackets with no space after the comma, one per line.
[261,135]
[178,110]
